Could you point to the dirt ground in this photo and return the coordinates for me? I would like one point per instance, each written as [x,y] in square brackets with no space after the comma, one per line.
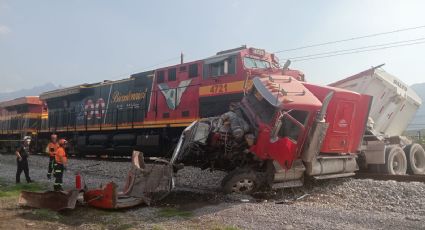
[334,204]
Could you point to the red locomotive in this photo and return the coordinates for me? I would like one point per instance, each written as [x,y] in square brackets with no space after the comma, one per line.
[18,118]
[148,110]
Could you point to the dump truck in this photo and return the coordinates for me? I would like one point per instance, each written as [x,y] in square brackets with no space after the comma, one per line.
[394,105]
[282,131]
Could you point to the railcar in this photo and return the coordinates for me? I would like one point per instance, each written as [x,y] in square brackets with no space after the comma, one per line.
[147,111]
[20,117]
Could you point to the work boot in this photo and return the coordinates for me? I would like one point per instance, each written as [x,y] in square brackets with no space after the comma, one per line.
[49,176]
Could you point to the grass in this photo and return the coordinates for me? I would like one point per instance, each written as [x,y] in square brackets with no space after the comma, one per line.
[15,190]
[157,227]
[45,214]
[172,212]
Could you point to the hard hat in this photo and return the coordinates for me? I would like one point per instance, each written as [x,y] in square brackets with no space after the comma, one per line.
[62,141]
[26,138]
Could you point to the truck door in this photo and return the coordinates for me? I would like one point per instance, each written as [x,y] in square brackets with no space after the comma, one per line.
[339,135]
[288,137]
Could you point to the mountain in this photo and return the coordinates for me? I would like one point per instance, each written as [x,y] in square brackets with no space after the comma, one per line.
[35,91]
[419,121]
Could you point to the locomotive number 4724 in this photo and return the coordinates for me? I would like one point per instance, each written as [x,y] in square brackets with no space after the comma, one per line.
[219,88]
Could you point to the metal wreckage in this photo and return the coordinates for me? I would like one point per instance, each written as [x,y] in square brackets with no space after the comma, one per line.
[282,131]
[143,185]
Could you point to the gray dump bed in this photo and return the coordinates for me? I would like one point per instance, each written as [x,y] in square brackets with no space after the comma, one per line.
[394,103]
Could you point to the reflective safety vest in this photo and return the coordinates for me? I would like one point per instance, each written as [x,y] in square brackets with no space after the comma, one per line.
[51,148]
[60,156]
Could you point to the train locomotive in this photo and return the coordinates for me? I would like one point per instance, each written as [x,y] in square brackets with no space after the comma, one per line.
[147,111]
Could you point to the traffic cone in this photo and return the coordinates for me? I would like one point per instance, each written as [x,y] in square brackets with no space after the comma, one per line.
[78,181]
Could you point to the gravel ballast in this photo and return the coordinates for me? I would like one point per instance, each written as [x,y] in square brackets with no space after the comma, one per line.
[334,204]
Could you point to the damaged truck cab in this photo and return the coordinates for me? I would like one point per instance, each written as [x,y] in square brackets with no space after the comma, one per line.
[281,131]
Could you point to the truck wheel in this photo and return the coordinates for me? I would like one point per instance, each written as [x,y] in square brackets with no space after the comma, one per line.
[242,181]
[415,156]
[395,161]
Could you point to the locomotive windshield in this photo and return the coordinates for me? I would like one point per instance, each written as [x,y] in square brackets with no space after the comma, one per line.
[253,63]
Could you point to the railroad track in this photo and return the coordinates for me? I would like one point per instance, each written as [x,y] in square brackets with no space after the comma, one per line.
[401,178]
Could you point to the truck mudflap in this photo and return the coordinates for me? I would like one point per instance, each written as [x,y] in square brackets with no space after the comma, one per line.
[52,200]
[145,183]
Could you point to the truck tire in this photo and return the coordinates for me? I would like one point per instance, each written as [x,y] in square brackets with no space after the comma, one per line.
[242,181]
[395,161]
[415,156]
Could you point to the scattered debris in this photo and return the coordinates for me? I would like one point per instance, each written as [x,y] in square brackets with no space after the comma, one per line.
[52,200]
[302,197]
[144,184]
[291,201]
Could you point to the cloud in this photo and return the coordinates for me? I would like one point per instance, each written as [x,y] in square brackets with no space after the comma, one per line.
[4,30]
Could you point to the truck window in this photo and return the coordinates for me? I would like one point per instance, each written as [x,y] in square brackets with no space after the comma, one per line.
[289,127]
[216,69]
[260,106]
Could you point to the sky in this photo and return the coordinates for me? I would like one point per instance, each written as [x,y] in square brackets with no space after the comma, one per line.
[76,41]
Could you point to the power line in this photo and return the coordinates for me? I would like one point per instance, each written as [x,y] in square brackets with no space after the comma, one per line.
[358,48]
[358,51]
[350,39]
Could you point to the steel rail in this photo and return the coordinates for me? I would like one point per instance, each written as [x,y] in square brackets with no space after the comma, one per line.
[400,178]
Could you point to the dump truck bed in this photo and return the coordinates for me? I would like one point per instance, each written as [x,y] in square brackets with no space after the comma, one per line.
[394,103]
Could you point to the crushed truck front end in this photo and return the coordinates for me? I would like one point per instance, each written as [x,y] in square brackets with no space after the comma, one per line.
[281,131]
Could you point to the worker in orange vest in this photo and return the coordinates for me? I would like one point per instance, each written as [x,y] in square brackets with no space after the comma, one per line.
[51,150]
[60,164]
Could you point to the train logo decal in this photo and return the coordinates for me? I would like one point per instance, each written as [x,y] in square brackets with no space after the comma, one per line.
[118,97]
[89,109]
[173,96]
[343,123]
[100,108]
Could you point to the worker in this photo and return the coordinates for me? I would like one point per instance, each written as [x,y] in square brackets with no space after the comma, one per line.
[51,150]
[22,154]
[60,164]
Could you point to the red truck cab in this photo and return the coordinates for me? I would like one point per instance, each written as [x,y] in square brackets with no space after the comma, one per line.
[282,130]
[285,111]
